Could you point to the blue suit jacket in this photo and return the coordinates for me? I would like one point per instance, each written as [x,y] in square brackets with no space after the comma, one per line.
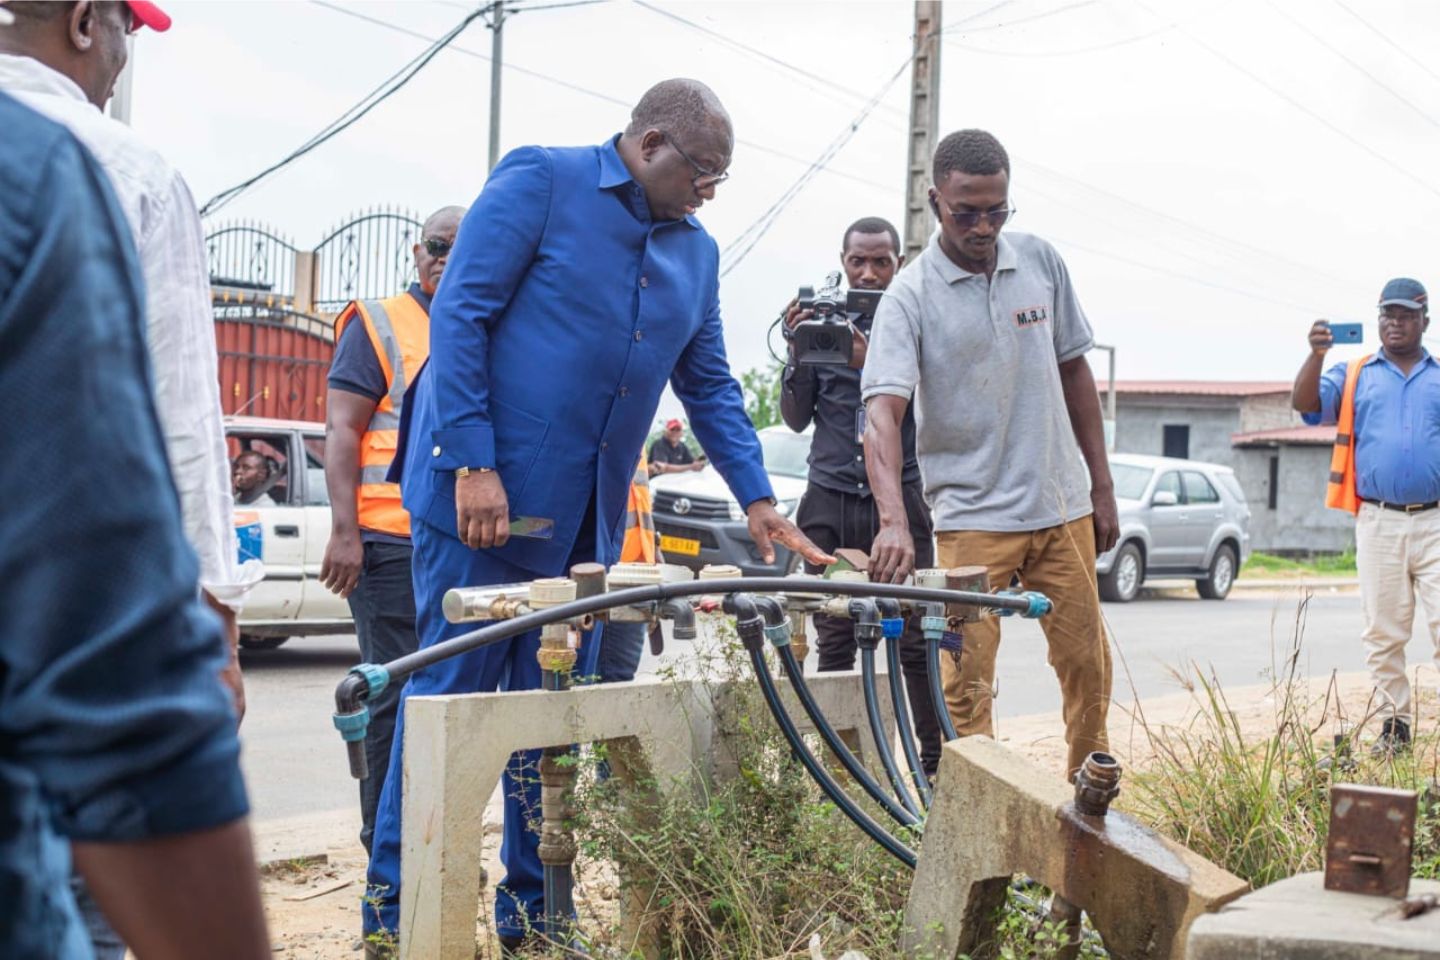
[563,312]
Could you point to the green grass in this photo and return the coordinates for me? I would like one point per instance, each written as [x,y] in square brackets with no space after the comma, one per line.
[1259,804]
[1332,565]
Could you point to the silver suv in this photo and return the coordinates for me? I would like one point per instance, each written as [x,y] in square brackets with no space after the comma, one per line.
[1178,518]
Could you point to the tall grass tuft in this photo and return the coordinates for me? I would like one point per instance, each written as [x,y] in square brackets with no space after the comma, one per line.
[1258,804]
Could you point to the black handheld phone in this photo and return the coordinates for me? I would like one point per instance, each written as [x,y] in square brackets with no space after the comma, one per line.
[1347,332]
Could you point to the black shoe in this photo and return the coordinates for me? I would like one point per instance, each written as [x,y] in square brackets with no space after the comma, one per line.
[1394,736]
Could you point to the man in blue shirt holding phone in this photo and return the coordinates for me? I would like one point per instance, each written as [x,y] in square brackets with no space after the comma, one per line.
[579,286]
[1394,453]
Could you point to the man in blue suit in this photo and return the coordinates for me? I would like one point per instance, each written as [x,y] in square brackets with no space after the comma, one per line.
[579,286]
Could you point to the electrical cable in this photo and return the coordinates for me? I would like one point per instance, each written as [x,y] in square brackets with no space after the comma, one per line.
[1332,127]
[736,251]
[1044,15]
[1072,52]
[1393,45]
[585,91]
[388,88]
[1300,25]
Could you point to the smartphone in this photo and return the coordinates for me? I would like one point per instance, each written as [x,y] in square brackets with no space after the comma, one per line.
[1347,332]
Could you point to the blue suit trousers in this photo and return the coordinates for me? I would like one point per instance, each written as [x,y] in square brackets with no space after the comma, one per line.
[440,563]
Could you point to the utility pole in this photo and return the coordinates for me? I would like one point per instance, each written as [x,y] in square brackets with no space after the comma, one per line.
[924,124]
[497,55]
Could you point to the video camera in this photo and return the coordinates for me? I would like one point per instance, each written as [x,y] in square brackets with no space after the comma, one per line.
[826,338]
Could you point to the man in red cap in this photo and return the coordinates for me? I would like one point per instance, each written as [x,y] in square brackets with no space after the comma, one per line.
[62,60]
[671,454]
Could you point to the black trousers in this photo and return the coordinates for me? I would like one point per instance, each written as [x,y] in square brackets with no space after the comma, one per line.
[383,605]
[833,519]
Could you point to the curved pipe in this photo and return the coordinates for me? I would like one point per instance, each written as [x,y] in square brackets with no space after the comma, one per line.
[775,616]
[937,689]
[678,611]
[350,698]
[889,610]
[867,636]
[750,626]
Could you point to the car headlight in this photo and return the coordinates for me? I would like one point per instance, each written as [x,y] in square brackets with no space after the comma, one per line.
[736,513]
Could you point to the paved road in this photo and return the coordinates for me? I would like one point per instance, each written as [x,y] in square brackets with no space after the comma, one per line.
[296,766]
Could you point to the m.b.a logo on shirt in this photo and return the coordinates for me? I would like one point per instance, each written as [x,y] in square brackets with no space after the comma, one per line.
[1032,316]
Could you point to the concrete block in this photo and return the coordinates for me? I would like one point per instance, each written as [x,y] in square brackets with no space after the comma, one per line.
[1298,918]
[997,814]
[456,748]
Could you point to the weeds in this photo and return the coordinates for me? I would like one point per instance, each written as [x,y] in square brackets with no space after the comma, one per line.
[1260,805]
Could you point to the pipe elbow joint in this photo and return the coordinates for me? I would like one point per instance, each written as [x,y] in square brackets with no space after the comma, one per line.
[679,612]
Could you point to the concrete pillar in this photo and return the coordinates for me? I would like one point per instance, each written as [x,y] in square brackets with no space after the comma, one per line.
[997,814]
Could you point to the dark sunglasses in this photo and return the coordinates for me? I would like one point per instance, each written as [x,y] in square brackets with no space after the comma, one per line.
[437,248]
[969,219]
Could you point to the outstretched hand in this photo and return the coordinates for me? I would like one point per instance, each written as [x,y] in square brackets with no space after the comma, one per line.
[767,528]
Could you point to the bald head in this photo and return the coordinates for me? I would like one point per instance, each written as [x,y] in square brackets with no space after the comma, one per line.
[686,109]
[438,220]
[437,236]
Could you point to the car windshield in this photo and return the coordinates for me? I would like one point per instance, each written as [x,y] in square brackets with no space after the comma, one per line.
[786,454]
[1130,480]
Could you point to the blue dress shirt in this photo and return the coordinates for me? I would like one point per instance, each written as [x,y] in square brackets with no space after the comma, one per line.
[113,722]
[1397,427]
[563,312]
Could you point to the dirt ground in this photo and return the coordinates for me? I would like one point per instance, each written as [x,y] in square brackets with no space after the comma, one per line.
[314,907]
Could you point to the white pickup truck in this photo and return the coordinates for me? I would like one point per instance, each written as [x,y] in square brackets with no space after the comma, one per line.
[289,536]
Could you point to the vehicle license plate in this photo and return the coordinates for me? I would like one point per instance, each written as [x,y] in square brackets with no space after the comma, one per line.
[681,545]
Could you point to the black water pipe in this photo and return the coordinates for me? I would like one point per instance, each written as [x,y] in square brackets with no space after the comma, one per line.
[889,614]
[351,718]
[775,619]
[867,637]
[751,629]
[932,626]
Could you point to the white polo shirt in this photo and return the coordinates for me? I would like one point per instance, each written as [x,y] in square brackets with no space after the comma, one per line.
[980,357]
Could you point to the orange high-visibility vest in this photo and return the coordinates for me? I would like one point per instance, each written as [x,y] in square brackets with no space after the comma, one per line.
[639,543]
[399,330]
[1340,492]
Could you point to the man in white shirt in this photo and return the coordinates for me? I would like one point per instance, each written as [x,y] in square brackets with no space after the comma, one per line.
[62,60]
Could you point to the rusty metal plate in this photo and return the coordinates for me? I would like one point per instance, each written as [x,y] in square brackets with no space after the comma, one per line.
[1372,832]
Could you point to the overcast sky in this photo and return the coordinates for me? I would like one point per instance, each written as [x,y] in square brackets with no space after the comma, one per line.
[1216,174]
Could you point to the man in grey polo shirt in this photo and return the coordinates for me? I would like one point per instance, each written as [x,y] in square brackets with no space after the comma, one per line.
[986,334]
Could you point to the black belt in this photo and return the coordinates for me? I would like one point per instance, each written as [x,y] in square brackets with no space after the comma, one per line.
[1404,507]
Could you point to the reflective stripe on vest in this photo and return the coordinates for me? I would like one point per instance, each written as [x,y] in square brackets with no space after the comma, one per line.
[1340,492]
[399,330]
[639,543]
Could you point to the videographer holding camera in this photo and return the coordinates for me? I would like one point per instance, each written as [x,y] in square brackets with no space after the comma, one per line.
[821,384]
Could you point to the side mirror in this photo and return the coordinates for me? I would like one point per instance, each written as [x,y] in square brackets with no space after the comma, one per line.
[1164,498]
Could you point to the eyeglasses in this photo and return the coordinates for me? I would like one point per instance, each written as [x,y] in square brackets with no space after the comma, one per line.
[704,178]
[970,219]
[437,248]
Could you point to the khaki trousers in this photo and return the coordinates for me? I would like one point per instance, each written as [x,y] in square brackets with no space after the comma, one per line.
[1397,556]
[1060,563]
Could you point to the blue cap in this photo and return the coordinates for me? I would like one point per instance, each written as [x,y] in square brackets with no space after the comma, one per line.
[1403,292]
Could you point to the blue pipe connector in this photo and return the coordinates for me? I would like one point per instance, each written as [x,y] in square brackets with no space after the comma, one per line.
[376,678]
[1039,604]
[352,726]
[893,627]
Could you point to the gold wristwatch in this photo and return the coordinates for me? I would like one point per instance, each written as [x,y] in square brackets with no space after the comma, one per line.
[465,471]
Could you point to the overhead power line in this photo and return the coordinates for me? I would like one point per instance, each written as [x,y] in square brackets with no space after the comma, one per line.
[736,251]
[1392,44]
[1318,118]
[584,91]
[1300,25]
[388,88]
